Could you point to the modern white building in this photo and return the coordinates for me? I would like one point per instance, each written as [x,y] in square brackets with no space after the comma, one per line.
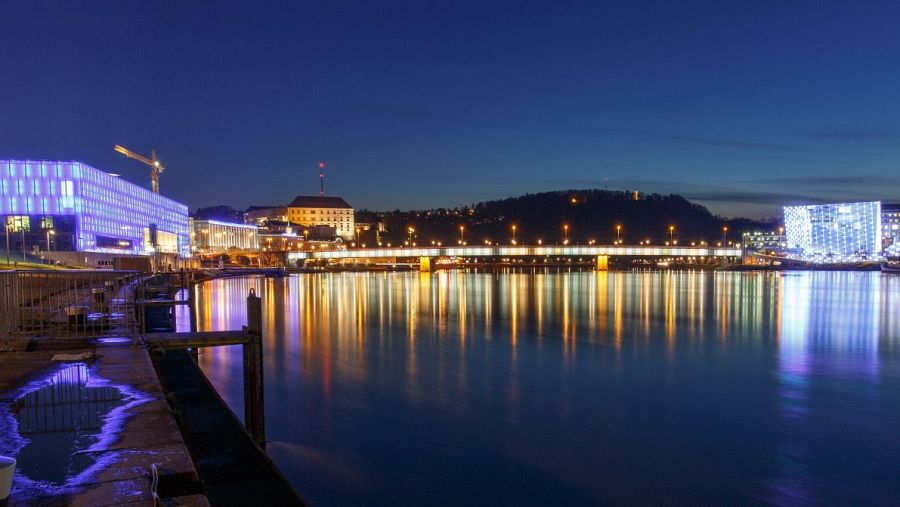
[841,232]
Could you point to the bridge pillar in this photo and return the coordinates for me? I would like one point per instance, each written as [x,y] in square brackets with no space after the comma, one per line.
[602,263]
[424,263]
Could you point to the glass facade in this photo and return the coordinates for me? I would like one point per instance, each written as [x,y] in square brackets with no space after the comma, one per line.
[845,232]
[110,214]
[212,235]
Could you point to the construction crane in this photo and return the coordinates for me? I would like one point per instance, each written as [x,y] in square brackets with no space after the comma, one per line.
[155,167]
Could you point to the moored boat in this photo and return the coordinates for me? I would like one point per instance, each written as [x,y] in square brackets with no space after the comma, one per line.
[890,266]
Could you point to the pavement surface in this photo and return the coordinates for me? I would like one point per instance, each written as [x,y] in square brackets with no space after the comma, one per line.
[143,432]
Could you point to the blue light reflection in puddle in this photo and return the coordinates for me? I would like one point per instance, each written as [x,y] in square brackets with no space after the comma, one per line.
[60,429]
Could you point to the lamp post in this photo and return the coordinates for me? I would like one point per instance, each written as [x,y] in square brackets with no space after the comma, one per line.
[671,233]
[410,230]
[49,232]
[514,234]
[618,233]
[462,229]
[565,234]
[725,235]
[7,243]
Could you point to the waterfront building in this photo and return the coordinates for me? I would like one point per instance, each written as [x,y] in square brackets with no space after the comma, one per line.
[316,214]
[890,229]
[217,236]
[262,215]
[314,210]
[768,242]
[842,232]
[68,206]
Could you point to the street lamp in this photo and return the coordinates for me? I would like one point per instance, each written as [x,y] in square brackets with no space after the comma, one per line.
[725,235]
[618,233]
[49,232]
[410,230]
[514,234]
[462,229]
[565,234]
[671,233]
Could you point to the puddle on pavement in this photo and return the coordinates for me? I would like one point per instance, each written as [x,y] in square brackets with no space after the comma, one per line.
[63,423]
[60,419]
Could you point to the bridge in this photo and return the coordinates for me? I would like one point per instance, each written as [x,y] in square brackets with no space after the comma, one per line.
[601,252]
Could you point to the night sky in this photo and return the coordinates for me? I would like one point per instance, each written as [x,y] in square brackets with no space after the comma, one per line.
[742,107]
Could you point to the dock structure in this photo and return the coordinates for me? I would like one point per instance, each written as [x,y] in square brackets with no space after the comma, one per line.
[250,338]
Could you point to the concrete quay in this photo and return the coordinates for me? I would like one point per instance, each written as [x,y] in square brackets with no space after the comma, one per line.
[140,432]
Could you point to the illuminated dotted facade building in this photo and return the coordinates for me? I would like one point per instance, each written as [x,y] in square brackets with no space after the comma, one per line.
[87,210]
[844,232]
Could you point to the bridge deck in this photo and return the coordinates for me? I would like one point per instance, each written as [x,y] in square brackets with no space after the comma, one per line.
[522,251]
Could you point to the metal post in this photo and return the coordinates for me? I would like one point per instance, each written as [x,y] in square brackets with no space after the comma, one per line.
[254,407]
[7,243]
[192,309]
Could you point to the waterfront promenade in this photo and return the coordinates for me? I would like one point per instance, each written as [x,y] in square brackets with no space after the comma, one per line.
[145,431]
[85,413]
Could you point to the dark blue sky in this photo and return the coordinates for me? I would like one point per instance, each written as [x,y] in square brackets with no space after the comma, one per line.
[741,106]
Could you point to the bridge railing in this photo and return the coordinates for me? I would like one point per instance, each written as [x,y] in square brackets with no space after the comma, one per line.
[518,251]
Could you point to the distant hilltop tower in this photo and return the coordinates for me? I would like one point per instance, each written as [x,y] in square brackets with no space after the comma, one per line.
[321,179]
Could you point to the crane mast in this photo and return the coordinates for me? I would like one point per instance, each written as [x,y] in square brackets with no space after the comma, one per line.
[155,167]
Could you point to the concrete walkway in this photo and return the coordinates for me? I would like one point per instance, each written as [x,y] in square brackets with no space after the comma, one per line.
[149,433]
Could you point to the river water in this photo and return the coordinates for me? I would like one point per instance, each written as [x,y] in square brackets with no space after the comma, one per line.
[465,388]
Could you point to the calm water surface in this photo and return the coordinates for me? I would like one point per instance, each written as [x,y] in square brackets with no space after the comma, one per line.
[458,388]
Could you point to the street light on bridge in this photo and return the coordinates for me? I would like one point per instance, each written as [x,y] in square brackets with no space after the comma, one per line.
[618,233]
[565,234]
[514,234]
[671,233]
[725,235]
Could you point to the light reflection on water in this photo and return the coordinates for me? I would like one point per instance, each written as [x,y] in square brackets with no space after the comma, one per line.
[455,387]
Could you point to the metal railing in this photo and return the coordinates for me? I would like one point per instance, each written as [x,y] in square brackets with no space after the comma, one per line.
[67,303]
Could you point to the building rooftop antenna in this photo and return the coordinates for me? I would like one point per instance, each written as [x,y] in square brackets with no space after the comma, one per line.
[321,179]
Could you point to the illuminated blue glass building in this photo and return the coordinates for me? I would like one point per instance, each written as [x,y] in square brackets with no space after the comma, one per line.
[87,210]
[844,232]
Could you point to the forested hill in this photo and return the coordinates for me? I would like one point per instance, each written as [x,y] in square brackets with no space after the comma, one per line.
[590,215]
